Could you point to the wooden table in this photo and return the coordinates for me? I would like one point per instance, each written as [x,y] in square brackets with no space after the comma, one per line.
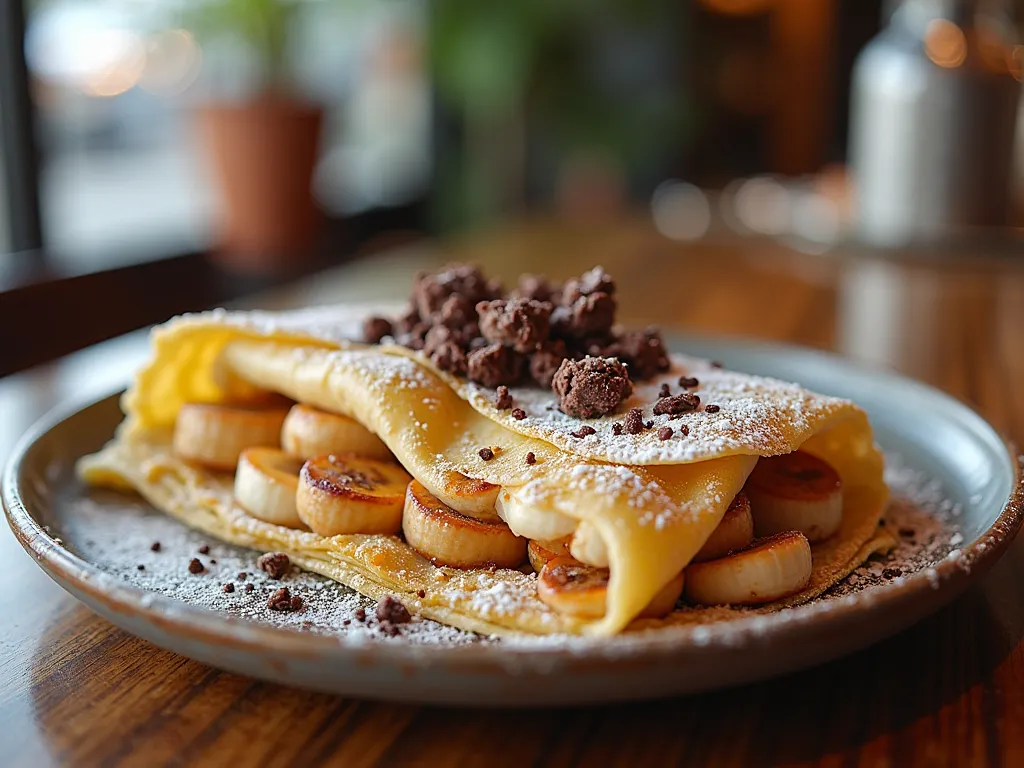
[75,690]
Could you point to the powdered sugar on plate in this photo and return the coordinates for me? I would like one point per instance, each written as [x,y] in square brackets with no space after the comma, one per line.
[116,534]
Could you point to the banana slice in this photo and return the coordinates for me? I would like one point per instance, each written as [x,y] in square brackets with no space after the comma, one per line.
[472,497]
[768,570]
[450,538]
[216,435]
[569,586]
[309,432]
[795,492]
[734,533]
[539,552]
[587,546]
[349,494]
[265,484]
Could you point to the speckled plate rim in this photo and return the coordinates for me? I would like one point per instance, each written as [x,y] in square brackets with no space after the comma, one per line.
[827,617]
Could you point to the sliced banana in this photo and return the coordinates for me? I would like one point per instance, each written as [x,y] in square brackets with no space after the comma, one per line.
[768,570]
[216,435]
[734,533]
[539,552]
[795,492]
[587,546]
[571,587]
[265,484]
[309,432]
[530,521]
[349,494]
[450,538]
[472,497]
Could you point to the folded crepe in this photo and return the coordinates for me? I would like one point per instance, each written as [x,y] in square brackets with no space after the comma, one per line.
[653,502]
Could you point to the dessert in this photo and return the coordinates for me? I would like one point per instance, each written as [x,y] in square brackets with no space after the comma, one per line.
[503,462]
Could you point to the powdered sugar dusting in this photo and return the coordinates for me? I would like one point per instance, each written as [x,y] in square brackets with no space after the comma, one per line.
[115,533]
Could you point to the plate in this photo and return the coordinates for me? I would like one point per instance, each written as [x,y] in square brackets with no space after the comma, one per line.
[931,433]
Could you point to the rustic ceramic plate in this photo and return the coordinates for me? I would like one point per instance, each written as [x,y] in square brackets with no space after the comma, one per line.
[930,431]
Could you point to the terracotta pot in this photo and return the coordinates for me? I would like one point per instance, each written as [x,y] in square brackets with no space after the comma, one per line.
[262,155]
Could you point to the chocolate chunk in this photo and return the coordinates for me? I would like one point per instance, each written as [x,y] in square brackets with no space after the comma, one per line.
[684,430]
[531,458]
[360,614]
[450,357]
[591,387]
[375,329]
[486,454]
[712,408]
[204,550]
[457,312]
[688,382]
[195,566]
[643,351]
[681,403]
[585,431]
[616,428]
[275,564]
[502,399]
[592,314]
[249,587]
[420,594]
[392,610]
[594,281]
[522,324]
[518,414]
[229,587]
[634,421]
[155,546]
[282,601]
[664,433]
[494,365]
[538,288]
[545,361]
[431,291]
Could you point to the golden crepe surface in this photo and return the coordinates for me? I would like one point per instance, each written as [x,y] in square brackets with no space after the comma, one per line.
[653,501]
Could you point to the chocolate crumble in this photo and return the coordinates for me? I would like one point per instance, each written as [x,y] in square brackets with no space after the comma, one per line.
[391,610]
[891,573]
[494,365]
[486,454]
[688,382]
[591,387]
[242,576]
[634,421]
[522,324]
[420,594]
[664,433]
[617,428]
[518,414]
[155,546]
[229,587]
[249,587]
[284,601]
[531,458]
[681,403]
[195,566]
[204,550]
[665,391]
[360,614]
[274,564]
[375,329]
[585,431]
[712,408]
[140,567]
[502,400]
[907,533]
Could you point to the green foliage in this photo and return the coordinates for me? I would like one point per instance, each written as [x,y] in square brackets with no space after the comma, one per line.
[264,25]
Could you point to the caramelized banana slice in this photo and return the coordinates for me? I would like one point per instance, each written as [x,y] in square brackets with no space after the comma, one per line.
[450,538]
[472,497]
[309,432]
[349,494]
[539,552]
[265,484]
[735,532]
[768,570]
[795,492]
[216,435]
[571,587]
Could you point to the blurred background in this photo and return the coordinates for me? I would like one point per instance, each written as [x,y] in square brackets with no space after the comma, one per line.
[191,151]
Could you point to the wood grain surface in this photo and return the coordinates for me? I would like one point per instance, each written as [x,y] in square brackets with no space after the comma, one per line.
[950,691]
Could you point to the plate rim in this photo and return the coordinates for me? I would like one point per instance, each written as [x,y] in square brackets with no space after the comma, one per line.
[208,626]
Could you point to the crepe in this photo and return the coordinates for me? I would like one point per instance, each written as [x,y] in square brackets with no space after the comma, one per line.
[653,502]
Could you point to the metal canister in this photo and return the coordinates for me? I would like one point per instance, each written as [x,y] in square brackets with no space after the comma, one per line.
[933,115]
